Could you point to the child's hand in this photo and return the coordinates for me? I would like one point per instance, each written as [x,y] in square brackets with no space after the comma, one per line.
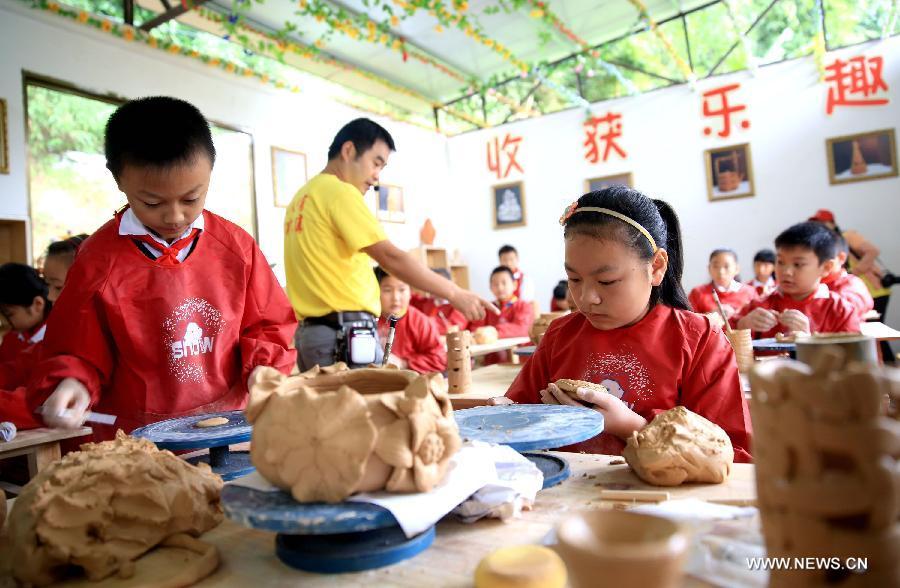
[618,419]
[759,320]
[550,396]
[715,319]
[728,310]
[499,400]
[795,320]
[67,406]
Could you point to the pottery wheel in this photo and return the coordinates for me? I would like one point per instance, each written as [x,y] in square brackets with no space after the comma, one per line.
[184,433]
[529,426]
[555,469]
[773,344]
[324,538]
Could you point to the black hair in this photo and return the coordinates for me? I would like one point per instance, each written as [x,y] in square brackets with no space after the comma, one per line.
[657,218]
[66,246]
[363,133]
[500,269]
[507,249]
[20,284]
[157,131]
[380,274]
[441,271]
[841,245]
[723,251]
[765,256]
[559,291]
[811,235]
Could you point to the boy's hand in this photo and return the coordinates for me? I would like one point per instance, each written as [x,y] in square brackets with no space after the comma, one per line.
[759,320]
[67,406]
[795,320]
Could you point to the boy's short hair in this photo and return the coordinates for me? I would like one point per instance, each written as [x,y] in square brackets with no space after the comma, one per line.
[764,256]
[157,131]
[363,133]
[20,284]
[841,244]
[507,249]
[380,274]
[559,291]
[501,269]
[811,235]
[723,251]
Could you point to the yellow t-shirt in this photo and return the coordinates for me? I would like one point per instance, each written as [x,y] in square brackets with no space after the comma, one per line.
[326,226]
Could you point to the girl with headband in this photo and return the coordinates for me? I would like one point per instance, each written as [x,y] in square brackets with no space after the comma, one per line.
[634,332]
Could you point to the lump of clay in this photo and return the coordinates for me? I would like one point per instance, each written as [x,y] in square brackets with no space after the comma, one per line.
[485,335]
[326,434]
[680,446]
[571,387]
[100,508]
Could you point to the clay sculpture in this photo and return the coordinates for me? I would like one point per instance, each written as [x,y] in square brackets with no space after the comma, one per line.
[326,434]
[826,445]
[459,361]
[486,335]
[101,508]
[680,446]
[542,323]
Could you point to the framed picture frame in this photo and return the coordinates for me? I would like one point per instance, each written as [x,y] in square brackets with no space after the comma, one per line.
[508,204]
[861,157]
[729,172]
[623,179]
[289,174]
[4,143]
[389,204]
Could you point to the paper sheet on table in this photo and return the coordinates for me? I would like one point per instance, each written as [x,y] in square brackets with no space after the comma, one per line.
[694,510]
[515,488]
[470,470]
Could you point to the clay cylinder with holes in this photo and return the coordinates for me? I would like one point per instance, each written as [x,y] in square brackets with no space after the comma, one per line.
[827,453]
[742,342]
[459,361]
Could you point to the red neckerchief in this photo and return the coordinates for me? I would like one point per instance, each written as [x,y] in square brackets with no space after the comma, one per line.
[169,255]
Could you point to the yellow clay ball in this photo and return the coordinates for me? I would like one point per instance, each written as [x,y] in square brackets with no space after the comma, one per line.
[521,566]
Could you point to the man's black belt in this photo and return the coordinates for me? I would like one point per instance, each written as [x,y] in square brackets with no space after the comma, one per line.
[336,319]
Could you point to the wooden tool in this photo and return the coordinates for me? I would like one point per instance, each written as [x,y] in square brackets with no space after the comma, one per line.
[392,322]
[721,310]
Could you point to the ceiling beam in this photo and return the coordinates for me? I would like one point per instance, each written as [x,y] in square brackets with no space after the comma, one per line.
[170,14]
[762,15]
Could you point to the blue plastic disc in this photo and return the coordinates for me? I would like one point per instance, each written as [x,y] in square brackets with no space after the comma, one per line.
[773,344]
[279,512]
[182,432]
[525,351]
[350,552]
[527,427]
[555,469]
[233,464]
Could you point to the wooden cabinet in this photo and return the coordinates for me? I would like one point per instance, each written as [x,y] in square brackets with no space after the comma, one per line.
[13,241]
[438,257]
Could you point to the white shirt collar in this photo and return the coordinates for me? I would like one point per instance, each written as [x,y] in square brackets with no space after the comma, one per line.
[38,335]
[130,225]
[734,286]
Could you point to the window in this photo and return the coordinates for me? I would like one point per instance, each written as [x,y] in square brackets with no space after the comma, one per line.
[70,188]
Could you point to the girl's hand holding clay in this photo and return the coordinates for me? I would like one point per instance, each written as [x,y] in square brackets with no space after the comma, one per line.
[619,420]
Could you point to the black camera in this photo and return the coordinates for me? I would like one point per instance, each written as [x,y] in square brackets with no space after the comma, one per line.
[889,279]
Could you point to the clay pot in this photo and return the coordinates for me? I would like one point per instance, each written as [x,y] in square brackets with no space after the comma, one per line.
[621,549]
[542,323]
[827,455]
[742,343]
[326,434]
[855,347]
[729,181]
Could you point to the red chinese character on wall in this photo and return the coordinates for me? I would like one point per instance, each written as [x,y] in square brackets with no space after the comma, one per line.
[725,109]
[612,130]
[509,148]
[860,77]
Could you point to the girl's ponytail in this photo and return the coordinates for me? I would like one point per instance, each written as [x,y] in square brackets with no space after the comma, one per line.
[671,292]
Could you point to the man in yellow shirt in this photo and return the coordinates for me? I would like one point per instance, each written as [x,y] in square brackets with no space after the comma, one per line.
[330,235]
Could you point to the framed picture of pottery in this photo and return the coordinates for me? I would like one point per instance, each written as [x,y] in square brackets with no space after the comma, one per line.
[508,201]
[4,146]
[288,174]
[594,184]
[861,157]
[729,172]
[389,205]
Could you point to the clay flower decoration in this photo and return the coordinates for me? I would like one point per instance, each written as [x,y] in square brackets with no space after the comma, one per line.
[419,444]
[568,212]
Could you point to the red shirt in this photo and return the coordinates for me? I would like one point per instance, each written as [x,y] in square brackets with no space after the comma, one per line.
[14,342]
[852,289]
[670,358]
[152,342]
[514,320]
[417,341]
[827,312]
[442,315]
[702,301]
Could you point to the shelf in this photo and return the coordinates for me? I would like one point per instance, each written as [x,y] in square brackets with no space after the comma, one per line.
[13,241]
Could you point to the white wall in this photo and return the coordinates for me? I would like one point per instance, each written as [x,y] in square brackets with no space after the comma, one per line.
[51,46]
[664,143]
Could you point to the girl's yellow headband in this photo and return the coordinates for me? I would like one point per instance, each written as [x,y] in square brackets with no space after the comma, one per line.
[573,209]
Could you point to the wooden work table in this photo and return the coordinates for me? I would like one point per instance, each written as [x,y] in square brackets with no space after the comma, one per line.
[248,556]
